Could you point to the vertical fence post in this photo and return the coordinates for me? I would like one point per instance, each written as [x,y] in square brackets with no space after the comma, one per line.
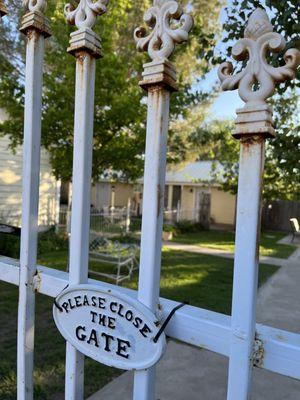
[35,26]
[86,48]
[253,125]
[159,80]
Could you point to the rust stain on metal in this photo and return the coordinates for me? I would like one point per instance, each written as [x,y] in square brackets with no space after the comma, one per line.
[81,56]
[248,141]
[36,282]
[159,191]
[258,353]
[31,34]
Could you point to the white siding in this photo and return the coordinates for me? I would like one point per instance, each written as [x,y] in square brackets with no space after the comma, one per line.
[11,186]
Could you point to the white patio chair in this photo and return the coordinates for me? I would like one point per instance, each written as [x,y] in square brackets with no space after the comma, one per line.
[122,256]
[295,228]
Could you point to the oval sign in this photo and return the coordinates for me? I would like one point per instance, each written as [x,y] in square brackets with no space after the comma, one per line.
[108,326]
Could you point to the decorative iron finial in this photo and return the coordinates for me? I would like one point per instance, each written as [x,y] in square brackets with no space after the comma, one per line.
[256,82]
[35,5]
[161,17]
[86,12]
[34,17]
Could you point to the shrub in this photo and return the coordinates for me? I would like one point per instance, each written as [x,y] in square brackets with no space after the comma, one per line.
[51,241]
[47,241]
[9,245]
[186,226]
[169,228]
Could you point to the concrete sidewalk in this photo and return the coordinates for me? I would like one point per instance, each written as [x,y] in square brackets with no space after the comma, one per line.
[220,253]
[189,373]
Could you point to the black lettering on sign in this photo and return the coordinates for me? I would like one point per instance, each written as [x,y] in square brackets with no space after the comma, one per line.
[65,305]
[79,335]
[85,300]
[137,322]
[77,301]
[94,315]
[94,303]
[71,305]
[145,329]
[123,345]
[113,306]
[93,338]
[129,315]
[102,319]
[120,310]
[108,340]
[101,302]
[111,322]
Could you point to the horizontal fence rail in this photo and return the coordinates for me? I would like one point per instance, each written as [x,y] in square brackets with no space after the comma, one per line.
[238,337]
[195,326]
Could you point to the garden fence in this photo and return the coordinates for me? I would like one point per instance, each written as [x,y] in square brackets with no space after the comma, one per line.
[238,337]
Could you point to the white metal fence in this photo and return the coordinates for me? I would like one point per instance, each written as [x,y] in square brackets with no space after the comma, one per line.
[233,336]
[123,221]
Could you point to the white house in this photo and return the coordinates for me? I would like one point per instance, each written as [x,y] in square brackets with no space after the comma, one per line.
[11,186]
[191,193]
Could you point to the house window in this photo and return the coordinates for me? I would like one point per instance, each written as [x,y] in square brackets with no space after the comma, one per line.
[166,196]
[176,196]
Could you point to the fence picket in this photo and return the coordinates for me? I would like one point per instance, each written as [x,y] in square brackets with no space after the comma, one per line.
[35,26]
[86,48]
[232,336]
[159,80]
[253,125]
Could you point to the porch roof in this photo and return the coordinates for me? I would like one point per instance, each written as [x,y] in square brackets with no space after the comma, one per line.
[196,173]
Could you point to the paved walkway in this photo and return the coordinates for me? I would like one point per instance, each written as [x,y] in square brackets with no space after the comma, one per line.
[189,373]
[219,253]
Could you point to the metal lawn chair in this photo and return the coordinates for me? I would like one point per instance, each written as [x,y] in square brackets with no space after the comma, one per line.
[295,228]
[123,256]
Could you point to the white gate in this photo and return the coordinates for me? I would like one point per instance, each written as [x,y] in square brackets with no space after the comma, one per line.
[238,337]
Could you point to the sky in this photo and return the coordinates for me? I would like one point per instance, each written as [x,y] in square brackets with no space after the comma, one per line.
[226,103]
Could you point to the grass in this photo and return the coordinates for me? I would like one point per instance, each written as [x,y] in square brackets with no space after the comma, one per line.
[204,281]
[224,240]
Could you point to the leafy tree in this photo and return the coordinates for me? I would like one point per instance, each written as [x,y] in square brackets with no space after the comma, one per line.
[120,106]
[282,170]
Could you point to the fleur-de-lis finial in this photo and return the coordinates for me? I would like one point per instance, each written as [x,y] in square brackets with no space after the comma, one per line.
[160,43]
[256,82]
[84,15]
[35,5]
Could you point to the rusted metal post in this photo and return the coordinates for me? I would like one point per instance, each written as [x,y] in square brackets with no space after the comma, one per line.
[85,47]
[35,26]
[159,80]
[253,125]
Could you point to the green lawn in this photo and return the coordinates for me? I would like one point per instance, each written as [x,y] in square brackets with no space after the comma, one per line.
[201,280]
[224,240]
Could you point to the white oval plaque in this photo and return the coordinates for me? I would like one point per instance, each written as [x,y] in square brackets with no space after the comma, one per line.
[108,326]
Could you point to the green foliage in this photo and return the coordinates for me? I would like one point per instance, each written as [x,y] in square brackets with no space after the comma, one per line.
[120,111]
[169,228]
[51,241]
[202,280]
[225,241]
[9,245]
[47,242]
[186,226]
